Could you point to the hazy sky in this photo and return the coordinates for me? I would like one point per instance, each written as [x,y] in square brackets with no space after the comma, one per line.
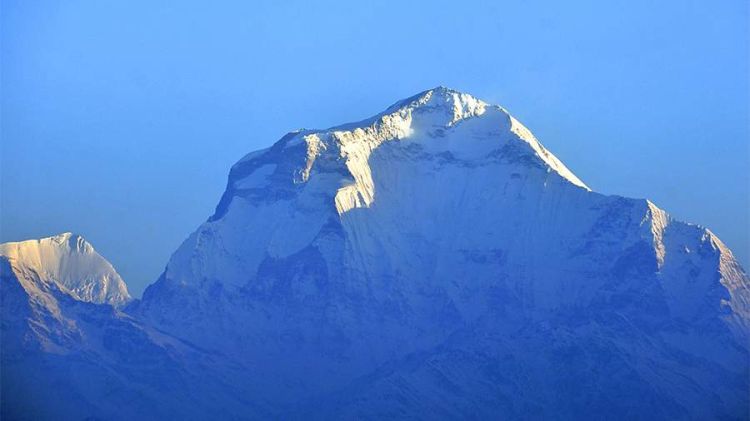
[120,120]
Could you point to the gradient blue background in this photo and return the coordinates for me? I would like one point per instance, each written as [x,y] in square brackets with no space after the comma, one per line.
[120,120]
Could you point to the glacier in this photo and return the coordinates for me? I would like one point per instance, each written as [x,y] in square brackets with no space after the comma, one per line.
[432,261]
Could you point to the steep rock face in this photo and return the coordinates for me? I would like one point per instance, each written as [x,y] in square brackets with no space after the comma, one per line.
[396,255]
[70,263]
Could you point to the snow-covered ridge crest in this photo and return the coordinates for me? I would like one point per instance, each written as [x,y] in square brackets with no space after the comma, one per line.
[69,262]
[457,105]
[449,108]
[432,119]
[355,147]
[658,221]
[525,134]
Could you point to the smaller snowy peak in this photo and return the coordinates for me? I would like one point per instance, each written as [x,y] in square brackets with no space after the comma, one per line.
[70,263]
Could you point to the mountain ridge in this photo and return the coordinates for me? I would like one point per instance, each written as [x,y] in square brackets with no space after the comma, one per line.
[435,261]
[71,262]
[421,220]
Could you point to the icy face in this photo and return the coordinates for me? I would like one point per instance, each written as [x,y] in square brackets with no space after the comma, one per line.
[352,253]
[69,262]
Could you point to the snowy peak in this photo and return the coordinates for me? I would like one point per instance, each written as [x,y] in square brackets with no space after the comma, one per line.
[462,106]
[441,234]
[73,242]
[455,105]
[70,263]
[433,125]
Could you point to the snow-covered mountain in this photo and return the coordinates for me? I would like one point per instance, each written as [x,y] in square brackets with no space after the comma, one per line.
[438,260]
[68,354]
[69,263]
[434,261]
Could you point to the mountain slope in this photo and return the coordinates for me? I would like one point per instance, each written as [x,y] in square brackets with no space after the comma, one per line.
[64,357]
[71,264]
[440,237]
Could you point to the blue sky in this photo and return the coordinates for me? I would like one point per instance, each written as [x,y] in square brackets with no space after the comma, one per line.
[120,120]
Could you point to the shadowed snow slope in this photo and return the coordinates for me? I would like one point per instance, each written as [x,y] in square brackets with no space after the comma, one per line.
[436,261]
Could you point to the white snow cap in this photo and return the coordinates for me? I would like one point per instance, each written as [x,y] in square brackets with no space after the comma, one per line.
[461,106]
[434,119]
[70,262]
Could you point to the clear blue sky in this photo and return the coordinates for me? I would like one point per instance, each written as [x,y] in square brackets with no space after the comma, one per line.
[120,119]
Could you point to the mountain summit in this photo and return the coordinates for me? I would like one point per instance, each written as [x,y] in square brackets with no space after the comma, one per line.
[419,124]
[69,353]
[434,261]
[69,263]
